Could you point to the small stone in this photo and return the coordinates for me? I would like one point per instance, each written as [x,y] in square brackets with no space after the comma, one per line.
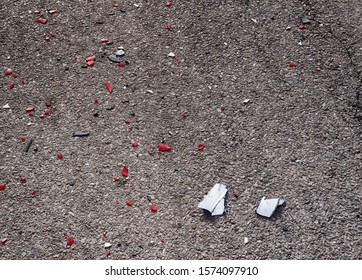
[114,58]
[81,133]
[107,245]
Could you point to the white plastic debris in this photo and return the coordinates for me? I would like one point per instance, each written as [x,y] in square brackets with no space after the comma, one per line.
[6,106]
[267,207]
[245,101]
[120,52]
[149,91]
[107,245]
[254,20]
[171,54]
[214,201]
[246,240]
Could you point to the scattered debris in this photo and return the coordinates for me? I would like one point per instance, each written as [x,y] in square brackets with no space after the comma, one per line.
[214,201]
[81,133]
[267,207]
[43,21]
[246,240]
[8,72]
[109,87]
[153,207]
[114,58]
[164,148]
[125,171]
[107,245]
[6,106]
[305,20]
[27,147]
[70,241]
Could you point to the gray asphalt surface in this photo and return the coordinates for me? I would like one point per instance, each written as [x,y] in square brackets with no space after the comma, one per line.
[298,137]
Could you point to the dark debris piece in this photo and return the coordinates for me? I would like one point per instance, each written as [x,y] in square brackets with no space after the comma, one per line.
[81,133]
[114,58]
[27,147]
[110,107]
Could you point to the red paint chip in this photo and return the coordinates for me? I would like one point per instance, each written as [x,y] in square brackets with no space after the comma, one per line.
[164,148]
[12,85]
[42,20]
[70,241]
[60,156]
[108,253]
[23,179]
[46,112]
[292,64]
[153,207]
[91,58]
[122,65]
[115,179]
[8,72]
[125,171]
[127,121]
[30,109]
[90,63]
[4,240]
[2,187]
[318,69]
[53,11]
[168,4]
[201,147]
[23,139]
[109,87]
[135,144]
[33,193]
[129,203]
[169,27]
[301,27]
[104,40]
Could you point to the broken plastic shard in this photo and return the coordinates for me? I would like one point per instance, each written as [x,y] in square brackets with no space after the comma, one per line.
[6,106]
[267,207]
[305,20]
[214,201]
[120,52]
[114,58]
[171,54]
[107,245]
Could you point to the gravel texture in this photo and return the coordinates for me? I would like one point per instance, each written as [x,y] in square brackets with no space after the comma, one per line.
[298,137]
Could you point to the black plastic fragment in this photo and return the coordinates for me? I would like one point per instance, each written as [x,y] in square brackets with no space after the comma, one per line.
[28,145]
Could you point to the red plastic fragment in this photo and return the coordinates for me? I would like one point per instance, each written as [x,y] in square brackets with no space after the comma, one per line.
[33,193]
[70,241]
[12,85]
[60,156]
[109,87]
[125,171]
[31,115]
[104,40]
[4,240]
[48,104]
[42,20]
[122,65]
[318,69]
[2,187]
[127,121]
[105,234]
[164,148]
[168,4]
[301,26]
[292,64]
[115,5]
[42,116]
[23,179]
[53,11]
[91,58]
[169,27]
[46,112]
[115,179]
[90,63]
[108,253]
[23,139]
[8,72]
[52,34]
[222,108]
[135,144]
[129,203]
[46,38]
[30,109]
[201,147]
[96,101]
[14,75]
[153,207]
